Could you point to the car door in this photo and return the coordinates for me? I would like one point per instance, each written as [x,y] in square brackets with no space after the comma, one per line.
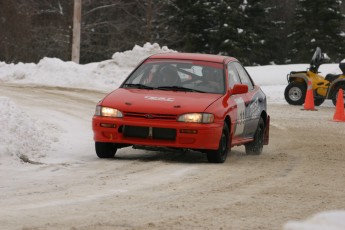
[252,103]
[237,104]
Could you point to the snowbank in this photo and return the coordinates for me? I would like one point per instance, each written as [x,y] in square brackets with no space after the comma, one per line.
[103,76]
[131,58]
[21,137]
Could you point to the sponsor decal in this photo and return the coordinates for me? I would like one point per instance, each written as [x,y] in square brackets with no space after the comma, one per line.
[241,116]
[255,108]
[152,98]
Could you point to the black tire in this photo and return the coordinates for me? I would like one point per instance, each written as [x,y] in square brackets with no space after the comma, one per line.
[105,150]
[255,147]
[318,101]
[220,155]
[295,93]
[335,94]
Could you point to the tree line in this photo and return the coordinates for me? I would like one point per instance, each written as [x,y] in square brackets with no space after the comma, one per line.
[257,32]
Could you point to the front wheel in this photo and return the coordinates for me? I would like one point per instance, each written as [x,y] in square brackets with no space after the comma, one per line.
[295,93]
[255,147]
[105,150]
[318,101]
[219,155]
[335,94]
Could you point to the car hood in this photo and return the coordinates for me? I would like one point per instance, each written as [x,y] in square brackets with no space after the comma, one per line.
[159,101]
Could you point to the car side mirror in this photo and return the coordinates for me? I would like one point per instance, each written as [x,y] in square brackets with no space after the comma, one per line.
[239,89]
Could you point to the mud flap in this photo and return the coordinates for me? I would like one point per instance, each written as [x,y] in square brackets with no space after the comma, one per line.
[267,131]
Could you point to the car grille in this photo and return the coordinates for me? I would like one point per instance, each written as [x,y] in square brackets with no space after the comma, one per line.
[150,115]
[149,132]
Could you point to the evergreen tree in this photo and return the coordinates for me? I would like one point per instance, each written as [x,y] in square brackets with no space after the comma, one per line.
[238,28]
[223,33]
[317,23]
[265,33]
[281,15]
[253,37]
[199,24]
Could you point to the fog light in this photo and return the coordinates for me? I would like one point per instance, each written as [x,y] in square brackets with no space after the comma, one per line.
[189,131]
[107,125]
[109,135]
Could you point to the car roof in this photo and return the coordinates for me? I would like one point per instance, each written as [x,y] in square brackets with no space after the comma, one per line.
[193,56]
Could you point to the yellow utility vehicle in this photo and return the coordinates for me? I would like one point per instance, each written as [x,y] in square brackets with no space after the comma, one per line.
[323,87]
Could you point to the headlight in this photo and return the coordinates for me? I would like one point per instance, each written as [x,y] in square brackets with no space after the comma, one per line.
[107,112]
[196,117]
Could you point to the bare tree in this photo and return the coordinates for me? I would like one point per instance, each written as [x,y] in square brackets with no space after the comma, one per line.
[33,29]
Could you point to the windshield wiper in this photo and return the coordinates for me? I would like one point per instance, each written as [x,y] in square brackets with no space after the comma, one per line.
[138,86]
[179,88]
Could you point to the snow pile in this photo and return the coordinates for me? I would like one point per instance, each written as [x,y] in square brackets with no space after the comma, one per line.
[15,72]
[55,72]
[20,136]
[49,71]
[331,220]
[131,58]
[113,72]
[104,76]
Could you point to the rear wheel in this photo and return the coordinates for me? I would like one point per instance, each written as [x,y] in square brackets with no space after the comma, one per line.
[335,94]
[219,155]
[105,150]
[295,93]
[255,147]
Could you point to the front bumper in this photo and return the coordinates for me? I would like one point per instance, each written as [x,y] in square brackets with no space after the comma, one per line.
[150,132]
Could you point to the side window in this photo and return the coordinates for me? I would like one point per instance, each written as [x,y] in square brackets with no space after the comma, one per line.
[245,79]
[233,75]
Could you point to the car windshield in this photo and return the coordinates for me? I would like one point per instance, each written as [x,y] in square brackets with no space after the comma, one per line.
[178,75]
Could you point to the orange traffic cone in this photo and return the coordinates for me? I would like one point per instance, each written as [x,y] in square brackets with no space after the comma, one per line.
[309,98]
[339,107]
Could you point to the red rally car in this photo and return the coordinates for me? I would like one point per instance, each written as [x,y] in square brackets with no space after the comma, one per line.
[201,102]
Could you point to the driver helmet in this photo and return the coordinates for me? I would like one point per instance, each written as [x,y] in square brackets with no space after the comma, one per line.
[169,76]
